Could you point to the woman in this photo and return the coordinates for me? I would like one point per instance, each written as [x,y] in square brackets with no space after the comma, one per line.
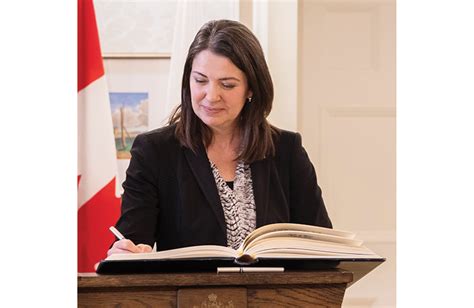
[219,169]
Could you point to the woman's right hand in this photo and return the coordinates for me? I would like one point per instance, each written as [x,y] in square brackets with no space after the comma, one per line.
[127,246]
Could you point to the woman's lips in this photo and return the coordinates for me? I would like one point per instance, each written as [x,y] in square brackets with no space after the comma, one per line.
[211,110]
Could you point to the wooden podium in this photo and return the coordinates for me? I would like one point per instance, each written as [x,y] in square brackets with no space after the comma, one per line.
[323,288]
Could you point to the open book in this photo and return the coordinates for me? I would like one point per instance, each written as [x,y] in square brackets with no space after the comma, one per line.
[268,245]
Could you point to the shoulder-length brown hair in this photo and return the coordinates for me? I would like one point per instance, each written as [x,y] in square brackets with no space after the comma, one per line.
[236,42]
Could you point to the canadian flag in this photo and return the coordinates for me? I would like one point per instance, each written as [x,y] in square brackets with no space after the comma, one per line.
[98,206]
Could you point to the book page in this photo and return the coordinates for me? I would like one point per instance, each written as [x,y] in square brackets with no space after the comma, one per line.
[305,235]
[201,251]
[301,246]
[293,227]
[320,256]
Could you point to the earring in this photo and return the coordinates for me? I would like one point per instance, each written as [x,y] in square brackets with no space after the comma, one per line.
[249,99]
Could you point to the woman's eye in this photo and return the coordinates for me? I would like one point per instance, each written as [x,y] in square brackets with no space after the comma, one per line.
[199,80]
[228,86]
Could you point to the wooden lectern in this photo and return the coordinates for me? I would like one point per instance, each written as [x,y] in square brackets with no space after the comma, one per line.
[321,288]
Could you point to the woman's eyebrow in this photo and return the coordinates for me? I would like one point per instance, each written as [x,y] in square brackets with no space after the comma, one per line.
[229,78]
[196,72]
[222,79]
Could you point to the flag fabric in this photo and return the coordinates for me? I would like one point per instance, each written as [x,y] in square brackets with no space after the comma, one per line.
[98,206]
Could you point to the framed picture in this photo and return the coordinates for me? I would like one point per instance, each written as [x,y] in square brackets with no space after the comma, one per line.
[129,117]
[137,92]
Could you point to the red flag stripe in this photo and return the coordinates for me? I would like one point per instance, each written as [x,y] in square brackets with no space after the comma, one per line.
[99,208]
[90,66]
[93,221]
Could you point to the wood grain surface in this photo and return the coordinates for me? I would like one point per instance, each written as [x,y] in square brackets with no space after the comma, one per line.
[230,290]
[212,297]
[303,296]
[196,279]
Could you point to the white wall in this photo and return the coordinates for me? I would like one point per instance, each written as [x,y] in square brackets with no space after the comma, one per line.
[275,23]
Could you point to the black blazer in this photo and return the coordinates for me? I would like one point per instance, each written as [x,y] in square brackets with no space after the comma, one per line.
[171,197]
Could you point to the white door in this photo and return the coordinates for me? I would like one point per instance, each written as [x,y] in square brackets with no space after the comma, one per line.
[346,114]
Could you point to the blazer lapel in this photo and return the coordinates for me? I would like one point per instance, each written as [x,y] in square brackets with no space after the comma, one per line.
[260,179]
[199,164]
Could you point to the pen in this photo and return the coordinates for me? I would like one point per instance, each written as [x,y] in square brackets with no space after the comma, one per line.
[117,233]
[250,269]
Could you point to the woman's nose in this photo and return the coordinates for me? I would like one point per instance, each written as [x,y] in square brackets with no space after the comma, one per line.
[213,93]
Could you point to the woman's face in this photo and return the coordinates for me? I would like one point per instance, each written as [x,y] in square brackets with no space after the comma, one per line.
[218,90]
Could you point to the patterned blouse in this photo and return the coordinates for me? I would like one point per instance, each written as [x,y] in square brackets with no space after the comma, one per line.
[238,203]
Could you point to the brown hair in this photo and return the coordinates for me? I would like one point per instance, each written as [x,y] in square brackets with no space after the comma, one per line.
[236,42]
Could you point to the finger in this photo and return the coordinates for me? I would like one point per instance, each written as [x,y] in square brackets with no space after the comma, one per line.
[126,244]
[117,250]
[144,247]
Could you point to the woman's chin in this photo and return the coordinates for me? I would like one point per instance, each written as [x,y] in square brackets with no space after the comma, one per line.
[213,124]
[212,121]
[216,124]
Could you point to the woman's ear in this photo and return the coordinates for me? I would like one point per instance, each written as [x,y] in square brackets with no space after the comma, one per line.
[249,93]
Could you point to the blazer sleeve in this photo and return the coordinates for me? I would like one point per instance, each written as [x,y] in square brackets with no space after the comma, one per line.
[306,202]
[140,208]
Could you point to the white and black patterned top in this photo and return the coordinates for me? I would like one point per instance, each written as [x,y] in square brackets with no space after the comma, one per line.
[238,203]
